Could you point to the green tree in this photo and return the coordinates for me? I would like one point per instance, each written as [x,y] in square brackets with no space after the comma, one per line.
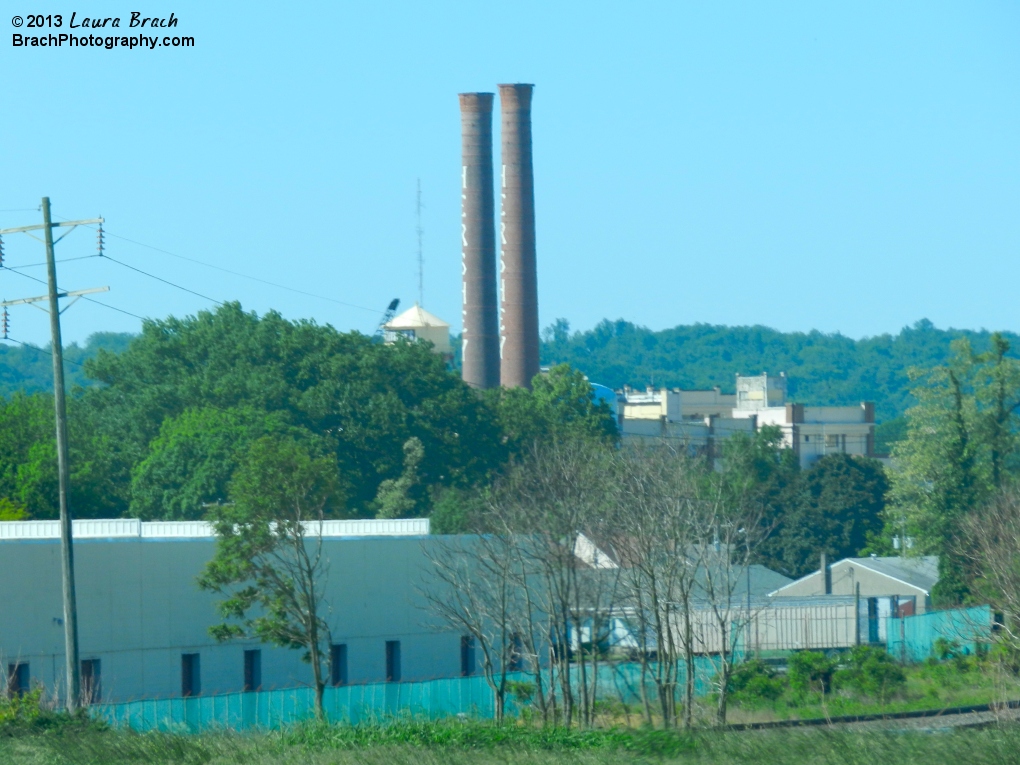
[561,406]
[269,561]
[11,511]
[960,448]
[834,507]
[367,399]
[28,460]
[759,472]
[190,462]
[396,496]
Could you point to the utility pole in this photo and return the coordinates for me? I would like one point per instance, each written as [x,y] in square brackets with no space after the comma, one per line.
[60,407]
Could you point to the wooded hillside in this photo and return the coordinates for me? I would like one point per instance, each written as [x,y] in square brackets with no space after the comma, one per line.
[823,369]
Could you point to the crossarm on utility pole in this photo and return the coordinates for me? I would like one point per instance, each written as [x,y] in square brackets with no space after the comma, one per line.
[37,227]
[72,293]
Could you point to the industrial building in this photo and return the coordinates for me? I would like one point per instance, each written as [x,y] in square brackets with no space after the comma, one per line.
[811,431]
[144,623]
[704,418]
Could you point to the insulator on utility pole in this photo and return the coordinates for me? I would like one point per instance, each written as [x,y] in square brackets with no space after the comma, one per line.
[4,323]
[1,252]
[99,240]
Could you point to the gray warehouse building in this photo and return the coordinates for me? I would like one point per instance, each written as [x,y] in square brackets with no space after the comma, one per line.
[143,622]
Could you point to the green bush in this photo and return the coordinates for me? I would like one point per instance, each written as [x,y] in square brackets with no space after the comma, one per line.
[811,672]
[871,672]
[28,714]
[755,682]
[20,709]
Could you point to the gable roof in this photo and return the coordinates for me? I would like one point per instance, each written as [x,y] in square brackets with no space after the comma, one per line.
[922,573]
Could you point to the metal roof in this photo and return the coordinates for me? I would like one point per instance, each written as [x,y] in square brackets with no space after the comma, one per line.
[127,528]
[922,573]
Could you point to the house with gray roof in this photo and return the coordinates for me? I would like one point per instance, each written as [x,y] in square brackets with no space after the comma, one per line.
[875,577]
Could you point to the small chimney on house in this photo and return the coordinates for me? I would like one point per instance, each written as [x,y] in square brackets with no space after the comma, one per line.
[826,574]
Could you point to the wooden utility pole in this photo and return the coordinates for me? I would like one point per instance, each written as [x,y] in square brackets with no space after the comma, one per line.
[60,407]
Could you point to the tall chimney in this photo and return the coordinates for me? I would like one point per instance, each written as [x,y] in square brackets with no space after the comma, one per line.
[480,341]
[518,276]
[826,575]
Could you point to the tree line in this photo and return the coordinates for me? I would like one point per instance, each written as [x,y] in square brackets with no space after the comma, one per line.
[160,427]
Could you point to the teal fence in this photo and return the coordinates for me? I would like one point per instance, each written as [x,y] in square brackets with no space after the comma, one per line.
[432,699]
[274,709]
[912,638]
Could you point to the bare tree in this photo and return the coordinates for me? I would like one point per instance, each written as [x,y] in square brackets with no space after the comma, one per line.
[731,529]
[559,502]
[991,543]
[472,586]
[658,547]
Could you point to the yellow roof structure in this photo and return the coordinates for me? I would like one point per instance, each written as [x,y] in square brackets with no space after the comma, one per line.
[418,324]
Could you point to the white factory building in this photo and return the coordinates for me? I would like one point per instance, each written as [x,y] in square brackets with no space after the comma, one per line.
[703,418]
[144,623]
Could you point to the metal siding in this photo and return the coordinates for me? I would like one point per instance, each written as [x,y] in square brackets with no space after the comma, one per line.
[140,608]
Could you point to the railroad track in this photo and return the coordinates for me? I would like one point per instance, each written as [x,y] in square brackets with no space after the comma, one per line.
[983,714]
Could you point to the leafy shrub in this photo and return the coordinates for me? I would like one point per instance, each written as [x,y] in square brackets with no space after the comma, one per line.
[521,691]
[28,714]
[871,672]
[754,682]
[811,671]
[943,649]
[20,709]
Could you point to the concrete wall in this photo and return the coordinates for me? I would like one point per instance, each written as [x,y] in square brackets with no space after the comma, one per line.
[706,403]
[846,575]
[140,609]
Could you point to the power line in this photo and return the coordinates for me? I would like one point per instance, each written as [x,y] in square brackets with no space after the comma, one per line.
[115,308]
[42,350]
[242,275]
[161,279]
[91,300]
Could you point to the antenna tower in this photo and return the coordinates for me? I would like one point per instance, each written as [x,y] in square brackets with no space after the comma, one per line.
[421,259]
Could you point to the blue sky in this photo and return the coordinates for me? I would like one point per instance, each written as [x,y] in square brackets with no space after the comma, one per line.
[843,167]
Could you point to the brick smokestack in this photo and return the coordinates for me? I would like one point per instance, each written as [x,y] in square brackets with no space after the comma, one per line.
[518,277]
[480,341]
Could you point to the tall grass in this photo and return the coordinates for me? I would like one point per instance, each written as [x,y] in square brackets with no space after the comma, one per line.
[456,743]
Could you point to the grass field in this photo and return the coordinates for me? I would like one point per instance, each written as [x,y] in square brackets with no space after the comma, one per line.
[456,743]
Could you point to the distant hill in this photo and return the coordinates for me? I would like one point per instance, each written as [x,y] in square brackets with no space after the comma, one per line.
[29,368]
[822,369]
